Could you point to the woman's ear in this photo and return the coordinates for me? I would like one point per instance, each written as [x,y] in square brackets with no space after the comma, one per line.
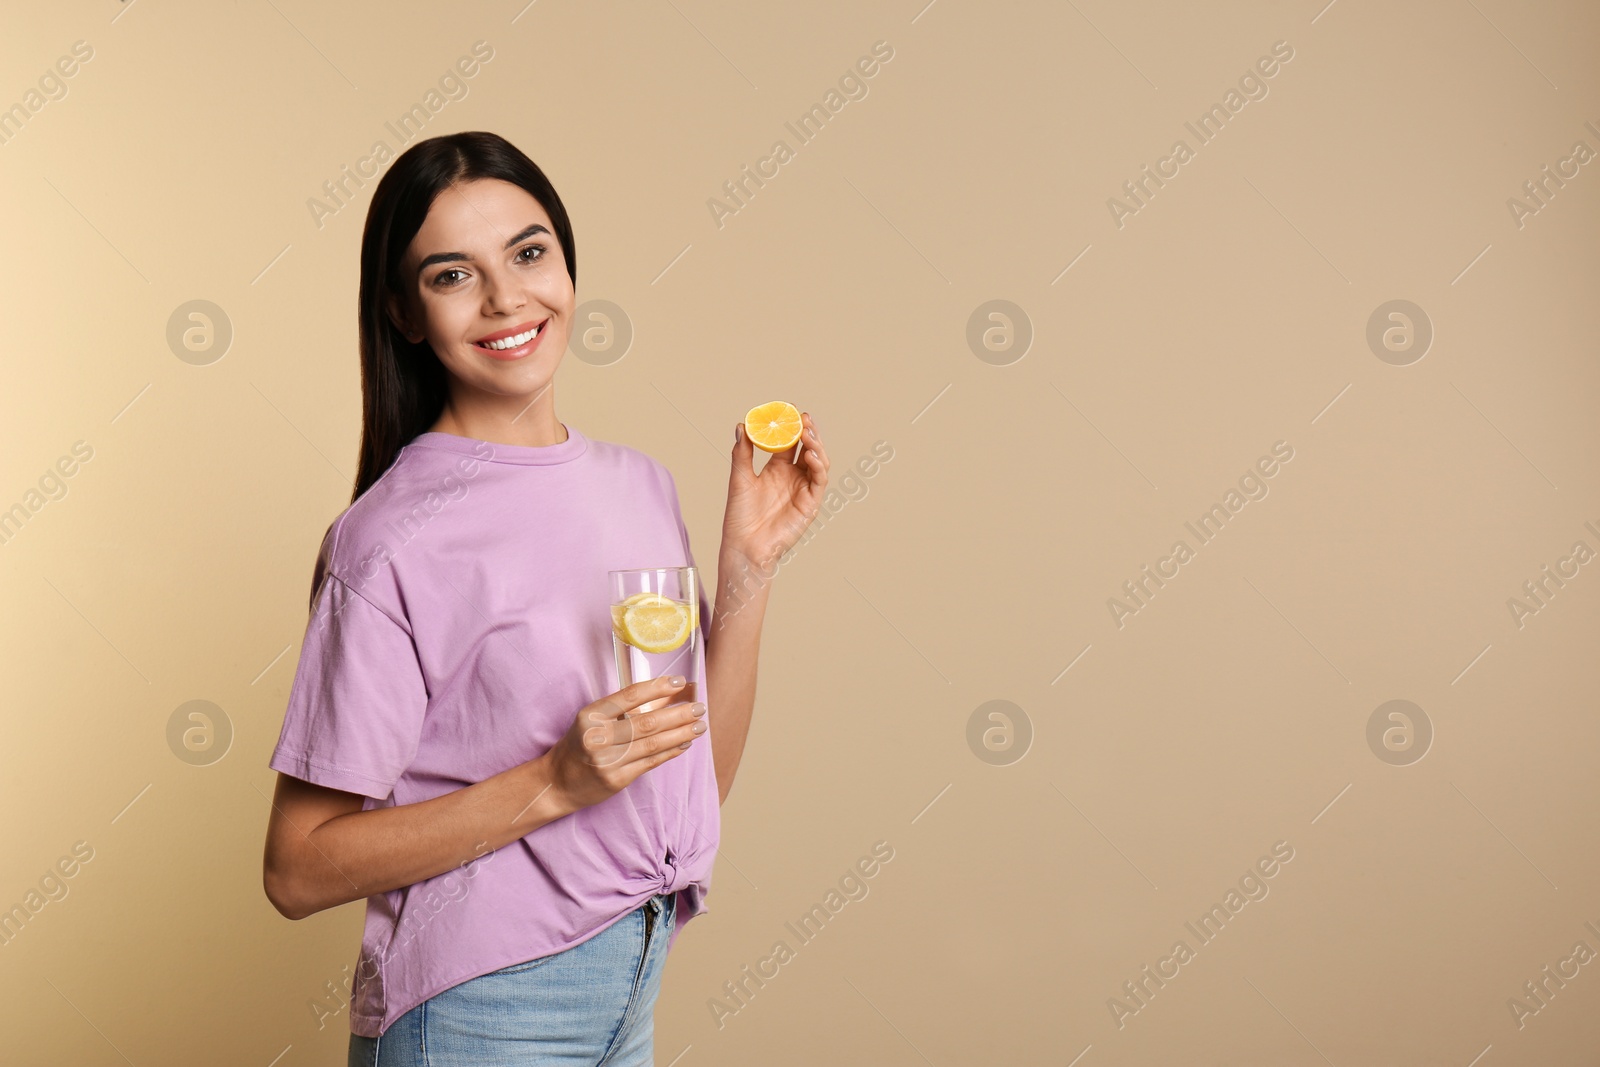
[397,315]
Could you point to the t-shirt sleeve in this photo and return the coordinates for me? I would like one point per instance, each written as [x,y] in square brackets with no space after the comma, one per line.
[355,709]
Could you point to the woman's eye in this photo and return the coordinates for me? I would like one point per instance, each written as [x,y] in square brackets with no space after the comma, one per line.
[444,280]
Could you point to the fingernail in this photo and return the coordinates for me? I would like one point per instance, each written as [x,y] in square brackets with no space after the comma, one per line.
[675,681]
[698,709]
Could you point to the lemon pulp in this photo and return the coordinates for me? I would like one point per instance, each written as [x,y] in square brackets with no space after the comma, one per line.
[651,622]
[773,426]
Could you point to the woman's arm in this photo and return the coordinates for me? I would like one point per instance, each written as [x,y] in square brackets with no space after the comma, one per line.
[765,517]
[323,850]
[732,651]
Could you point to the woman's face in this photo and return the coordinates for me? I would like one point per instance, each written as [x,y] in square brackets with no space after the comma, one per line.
[486,267]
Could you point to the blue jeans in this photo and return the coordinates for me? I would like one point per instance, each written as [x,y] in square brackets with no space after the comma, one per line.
[591,1005]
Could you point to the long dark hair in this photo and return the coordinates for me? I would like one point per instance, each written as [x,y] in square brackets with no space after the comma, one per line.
[403,385]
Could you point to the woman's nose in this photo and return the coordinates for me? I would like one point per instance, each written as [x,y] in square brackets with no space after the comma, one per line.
[502,294]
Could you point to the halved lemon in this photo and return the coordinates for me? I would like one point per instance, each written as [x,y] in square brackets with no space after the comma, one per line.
[773,426]
[654,623]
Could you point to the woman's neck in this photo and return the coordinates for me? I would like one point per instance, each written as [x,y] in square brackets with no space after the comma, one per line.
[525,430]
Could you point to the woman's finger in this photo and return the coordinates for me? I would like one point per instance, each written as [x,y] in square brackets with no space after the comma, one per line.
[670,725]
[818,454]
[744,453]
[815,445]
[807,439]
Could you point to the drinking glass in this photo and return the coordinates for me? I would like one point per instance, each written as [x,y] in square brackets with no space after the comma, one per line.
[655,629]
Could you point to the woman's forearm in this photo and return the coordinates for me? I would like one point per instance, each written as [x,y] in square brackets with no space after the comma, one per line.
[732,651]
[363,853]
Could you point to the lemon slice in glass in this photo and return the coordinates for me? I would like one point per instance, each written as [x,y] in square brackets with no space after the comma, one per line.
[654,623]
[618,609]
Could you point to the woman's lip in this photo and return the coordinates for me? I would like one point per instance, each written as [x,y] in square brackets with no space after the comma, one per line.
[516,353]
[501,335]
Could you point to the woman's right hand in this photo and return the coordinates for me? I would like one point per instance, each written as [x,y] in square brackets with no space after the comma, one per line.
[606,748]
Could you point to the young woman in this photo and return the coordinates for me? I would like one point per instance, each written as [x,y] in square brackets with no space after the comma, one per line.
[451,752]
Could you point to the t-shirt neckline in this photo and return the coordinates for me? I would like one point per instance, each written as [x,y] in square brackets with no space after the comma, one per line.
[495,452]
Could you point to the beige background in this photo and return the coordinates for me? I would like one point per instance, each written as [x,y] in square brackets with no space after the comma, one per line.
[1228,314]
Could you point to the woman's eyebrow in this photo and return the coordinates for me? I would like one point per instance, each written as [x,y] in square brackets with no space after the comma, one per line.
[458,257]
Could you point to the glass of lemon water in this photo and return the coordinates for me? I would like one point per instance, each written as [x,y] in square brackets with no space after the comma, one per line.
[655,628]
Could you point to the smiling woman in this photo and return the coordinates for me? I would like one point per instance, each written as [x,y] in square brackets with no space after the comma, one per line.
[451,701]
[492,260]
[444,305]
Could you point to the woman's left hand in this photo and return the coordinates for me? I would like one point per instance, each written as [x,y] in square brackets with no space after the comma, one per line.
[768,512]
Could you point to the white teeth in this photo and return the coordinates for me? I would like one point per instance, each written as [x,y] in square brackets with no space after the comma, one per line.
[513,342]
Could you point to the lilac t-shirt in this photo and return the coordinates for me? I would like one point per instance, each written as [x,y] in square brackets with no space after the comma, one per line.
[460,619]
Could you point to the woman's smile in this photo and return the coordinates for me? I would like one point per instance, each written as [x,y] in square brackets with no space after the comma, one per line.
[513,343]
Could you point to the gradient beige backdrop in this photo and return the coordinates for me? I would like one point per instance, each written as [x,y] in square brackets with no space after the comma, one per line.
[1046,850]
